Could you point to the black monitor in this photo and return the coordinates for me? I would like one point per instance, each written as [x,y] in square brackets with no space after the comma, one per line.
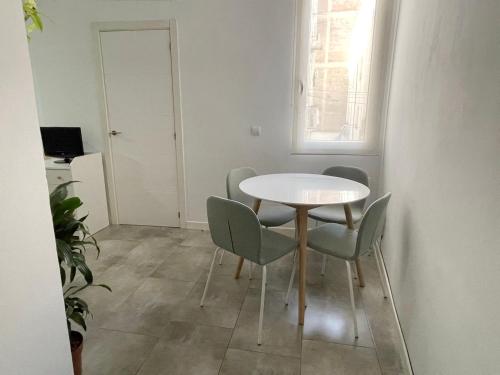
[64,142]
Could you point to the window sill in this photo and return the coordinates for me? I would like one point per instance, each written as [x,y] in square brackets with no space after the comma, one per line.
[337,153]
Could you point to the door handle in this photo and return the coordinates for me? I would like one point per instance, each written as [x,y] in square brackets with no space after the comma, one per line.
[114,132]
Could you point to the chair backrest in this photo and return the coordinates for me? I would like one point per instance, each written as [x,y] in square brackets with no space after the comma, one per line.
[234,227]
[371,225]
[351,173]
[233,179]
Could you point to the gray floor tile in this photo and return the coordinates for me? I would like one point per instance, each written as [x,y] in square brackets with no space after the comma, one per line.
[147,320]
[112,252]
[185,263]
[123,279]
[328,314]
[147,310]
[224,292]
[243,362]
[382,321]
[222,302]
[280,332]
[333,323]
[148,256]
[180,234]
[199,239]
[186,349]
[155,291]
[153,316]
[131,232]
[209,315]
[321,358]
[115,353]
[278,274]
[228,266]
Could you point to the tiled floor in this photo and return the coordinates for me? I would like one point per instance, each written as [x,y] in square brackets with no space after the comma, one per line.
[151,324]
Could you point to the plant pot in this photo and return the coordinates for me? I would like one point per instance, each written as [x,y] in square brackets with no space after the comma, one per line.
[76,342]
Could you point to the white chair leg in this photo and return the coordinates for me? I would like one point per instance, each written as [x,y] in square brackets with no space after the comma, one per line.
[323,265]
[292,276]
[378,258]
[250,266]
[221,256]
[351,292]
[262,300]
[209,277]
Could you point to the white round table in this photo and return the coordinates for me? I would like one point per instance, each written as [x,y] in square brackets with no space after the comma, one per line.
[304,192]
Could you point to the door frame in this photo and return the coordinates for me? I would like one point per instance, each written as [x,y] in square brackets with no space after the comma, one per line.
[171,26]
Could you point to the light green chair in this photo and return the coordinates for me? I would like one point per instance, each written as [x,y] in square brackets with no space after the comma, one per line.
[269,216]
[341,242]
[234,227]
[335,213]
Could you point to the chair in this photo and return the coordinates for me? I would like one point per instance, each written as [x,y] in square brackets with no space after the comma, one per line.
[336,214]
[273,216]
[269,216]
[235,227]
[339,241]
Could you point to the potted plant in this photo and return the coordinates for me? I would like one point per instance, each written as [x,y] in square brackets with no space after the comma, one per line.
[73,240]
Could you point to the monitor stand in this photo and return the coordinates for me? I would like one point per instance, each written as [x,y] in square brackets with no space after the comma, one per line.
[63,161]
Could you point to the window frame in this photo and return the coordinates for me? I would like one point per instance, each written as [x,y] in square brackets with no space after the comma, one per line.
[377,86]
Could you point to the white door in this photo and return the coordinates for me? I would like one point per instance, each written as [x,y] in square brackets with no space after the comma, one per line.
[138,88]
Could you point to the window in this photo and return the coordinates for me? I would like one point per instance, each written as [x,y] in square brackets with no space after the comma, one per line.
[334,77]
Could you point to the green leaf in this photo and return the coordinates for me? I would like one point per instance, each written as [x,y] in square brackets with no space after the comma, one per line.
[86,272]
[72,287]
[75,289]
[79,261]
[66,207]
[63,275]
[37,21]
[78,319]
[64,252]
[104,286]
[59,194]
[80,304]
[72,274]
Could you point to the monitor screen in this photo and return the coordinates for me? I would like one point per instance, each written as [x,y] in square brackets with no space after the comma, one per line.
[62,141]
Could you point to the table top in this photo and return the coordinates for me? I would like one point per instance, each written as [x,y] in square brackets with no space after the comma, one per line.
[300,189]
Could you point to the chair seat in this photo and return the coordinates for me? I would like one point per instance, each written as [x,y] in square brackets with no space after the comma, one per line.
[335,214]
[275,216]
[333,239]
[274,246]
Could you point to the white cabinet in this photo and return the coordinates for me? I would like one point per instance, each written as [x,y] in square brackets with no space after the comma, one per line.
[88,170]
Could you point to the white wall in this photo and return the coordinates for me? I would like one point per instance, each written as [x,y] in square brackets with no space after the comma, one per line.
[442,164]
[236,61]
[33,333]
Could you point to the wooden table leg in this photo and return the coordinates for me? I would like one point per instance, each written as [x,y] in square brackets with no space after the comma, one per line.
[256,206]
[350,225]
[302,223]
[239,267]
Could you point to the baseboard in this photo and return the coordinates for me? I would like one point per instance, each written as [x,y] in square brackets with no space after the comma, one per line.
[199,225]
[406,359]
